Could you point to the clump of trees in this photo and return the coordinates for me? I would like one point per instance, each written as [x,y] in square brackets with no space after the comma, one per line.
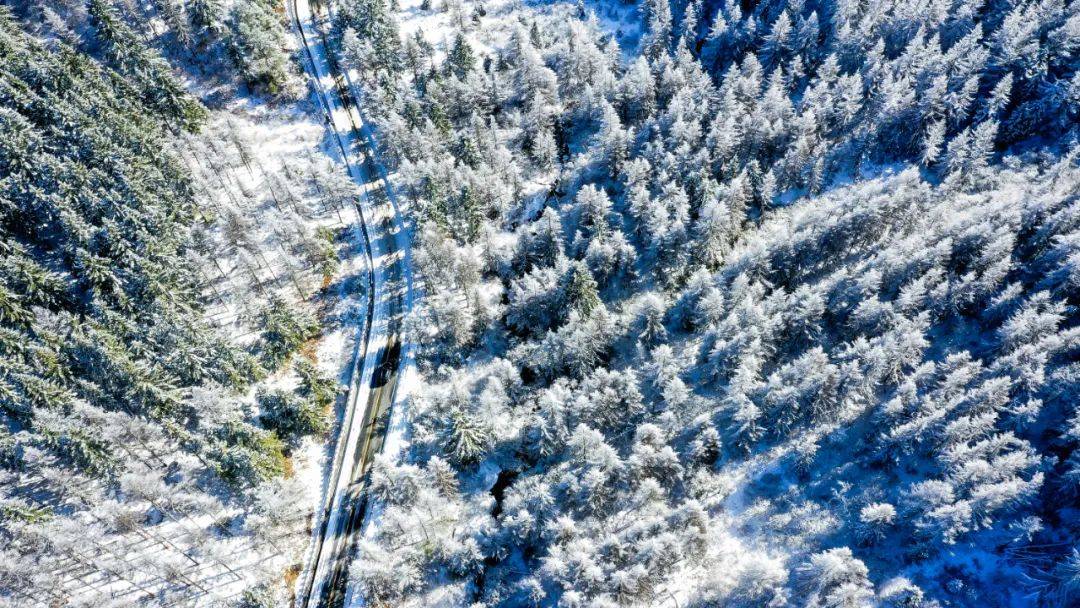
[246,42]
[99,304]
[290,415]
[257,43]
[285,329]
[300,413]
[246,455]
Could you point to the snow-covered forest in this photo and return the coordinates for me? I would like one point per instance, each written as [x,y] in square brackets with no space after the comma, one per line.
[732,303]
[722,303]
[180,281]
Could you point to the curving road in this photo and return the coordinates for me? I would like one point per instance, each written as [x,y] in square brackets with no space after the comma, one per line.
[378,361]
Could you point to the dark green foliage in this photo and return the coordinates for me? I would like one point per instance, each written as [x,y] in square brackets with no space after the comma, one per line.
[235,368]
[89,453]
[291,416]
[467,439]
[373,23]
[259,597]
[257,45]
[11,452]
[439,118]
[98,303]
[245,455]
[324,253]
[541,245]
[285,328]
[581,294]
[12,511]
[468,152]
[319,388]
[471,216]
[461,59]
[144,69]
[208,16]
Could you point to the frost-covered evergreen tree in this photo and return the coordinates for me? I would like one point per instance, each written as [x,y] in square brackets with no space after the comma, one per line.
[372,23]
[257,45]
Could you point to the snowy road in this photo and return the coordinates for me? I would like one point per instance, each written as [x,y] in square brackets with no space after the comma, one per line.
[381,357]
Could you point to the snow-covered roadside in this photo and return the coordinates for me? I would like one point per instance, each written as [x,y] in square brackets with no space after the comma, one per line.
[284,139]
[346,343]
[223,550]
[343,314]
[377,219]
[396,438]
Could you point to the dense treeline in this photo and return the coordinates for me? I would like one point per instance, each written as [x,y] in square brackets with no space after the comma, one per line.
[779,310]
[100,304]
[244,41]
[131,461]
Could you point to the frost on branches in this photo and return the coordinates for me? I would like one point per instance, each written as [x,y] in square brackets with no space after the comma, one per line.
[731,304]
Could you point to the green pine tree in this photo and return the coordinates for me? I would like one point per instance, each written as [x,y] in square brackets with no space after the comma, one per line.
[581,292]
[461,59]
